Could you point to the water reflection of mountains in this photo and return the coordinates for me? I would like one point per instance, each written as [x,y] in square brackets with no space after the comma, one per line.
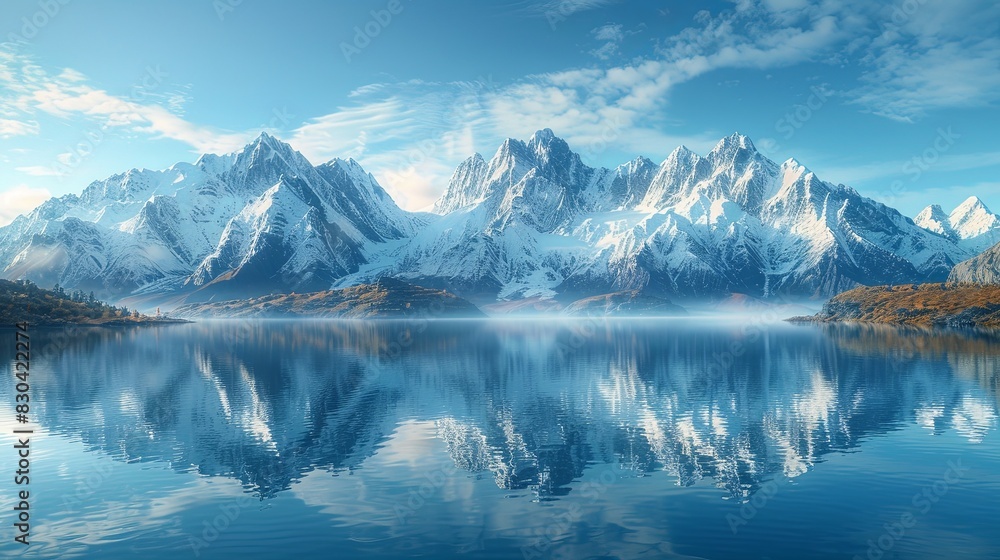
[532,404]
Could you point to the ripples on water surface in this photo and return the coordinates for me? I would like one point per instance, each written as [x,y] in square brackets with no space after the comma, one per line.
[503,439]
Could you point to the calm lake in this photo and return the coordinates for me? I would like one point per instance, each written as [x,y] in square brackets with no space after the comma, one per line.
[669,438]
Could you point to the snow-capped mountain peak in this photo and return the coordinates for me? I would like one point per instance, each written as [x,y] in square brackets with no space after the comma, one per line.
[733,142]
[971,223]
[259,219]
[792,163]
[532,221]
[972,217]
[466,186]
[933,218]
[542,137]
[266,148]
[535,221]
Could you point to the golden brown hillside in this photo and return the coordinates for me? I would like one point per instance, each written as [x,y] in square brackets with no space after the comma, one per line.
[958,305]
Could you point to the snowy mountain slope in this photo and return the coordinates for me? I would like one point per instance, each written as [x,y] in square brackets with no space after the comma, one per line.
[971,224]
[535,221]
[259,220]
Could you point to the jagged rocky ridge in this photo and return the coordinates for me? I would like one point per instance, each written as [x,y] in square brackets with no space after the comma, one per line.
[532,221]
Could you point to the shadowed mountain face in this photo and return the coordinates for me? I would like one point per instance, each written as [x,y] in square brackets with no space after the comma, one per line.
[529,406]
[533,221]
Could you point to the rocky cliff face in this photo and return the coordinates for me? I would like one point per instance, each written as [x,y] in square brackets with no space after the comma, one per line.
[982,269]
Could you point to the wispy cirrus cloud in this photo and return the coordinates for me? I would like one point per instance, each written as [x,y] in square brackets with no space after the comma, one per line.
[411,134]
[592,108]
[150,108]
[938,55]
[896,168]
[569,7]
[39,171]
[611,37]
[10,128]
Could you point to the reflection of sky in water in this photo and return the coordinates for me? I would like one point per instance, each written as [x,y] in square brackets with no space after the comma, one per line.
[500,440]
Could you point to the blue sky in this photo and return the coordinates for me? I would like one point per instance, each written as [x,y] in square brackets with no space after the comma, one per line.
[898,99]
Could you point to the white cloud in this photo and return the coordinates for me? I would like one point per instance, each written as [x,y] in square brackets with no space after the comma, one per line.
[898,168]
[10,128]
[567,8]
[906,83]
[933,56]
[626,104]
[609,32]
[612,35]
[18,200]
[70,75]
[411,135]
[29,89]
[785,5]
[605,51]
[38,171]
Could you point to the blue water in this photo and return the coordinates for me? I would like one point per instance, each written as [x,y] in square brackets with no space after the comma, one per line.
[681,438]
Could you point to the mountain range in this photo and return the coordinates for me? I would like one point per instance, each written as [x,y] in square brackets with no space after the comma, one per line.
[533,221]
[970,224]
